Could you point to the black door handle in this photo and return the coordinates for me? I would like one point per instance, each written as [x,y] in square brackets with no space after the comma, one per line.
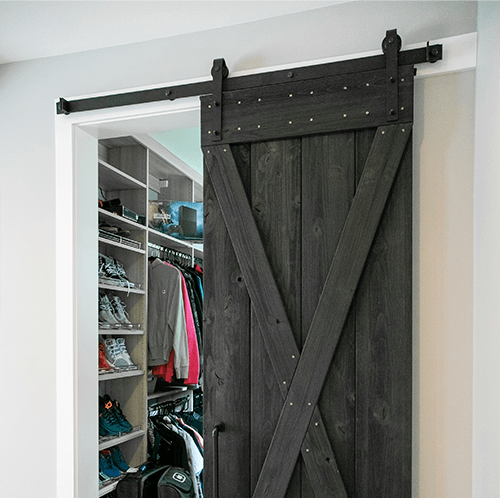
[215,434]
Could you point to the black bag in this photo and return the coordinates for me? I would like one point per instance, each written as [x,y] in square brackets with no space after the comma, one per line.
[175,483]
[141,484]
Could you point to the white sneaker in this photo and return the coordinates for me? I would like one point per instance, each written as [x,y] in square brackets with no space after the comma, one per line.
[122,348]
[114,355]
[106,314]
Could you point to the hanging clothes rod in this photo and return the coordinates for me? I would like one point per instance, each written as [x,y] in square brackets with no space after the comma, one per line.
[165,407]
[161,252]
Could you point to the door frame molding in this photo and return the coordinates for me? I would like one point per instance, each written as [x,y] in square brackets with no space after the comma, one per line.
[76,149]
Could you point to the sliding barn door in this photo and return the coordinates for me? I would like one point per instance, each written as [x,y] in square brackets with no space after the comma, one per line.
[307,336]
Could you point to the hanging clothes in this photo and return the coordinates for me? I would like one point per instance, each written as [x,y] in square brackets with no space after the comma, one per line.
[167,329]
[173,445]
[194,355]
[194,286]
[168,368]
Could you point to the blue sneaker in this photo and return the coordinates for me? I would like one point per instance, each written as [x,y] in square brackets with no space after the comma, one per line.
[114,407]
[118,460]
[109,425]
[106,464]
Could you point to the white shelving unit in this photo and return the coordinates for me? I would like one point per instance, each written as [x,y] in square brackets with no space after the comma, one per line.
[130,169]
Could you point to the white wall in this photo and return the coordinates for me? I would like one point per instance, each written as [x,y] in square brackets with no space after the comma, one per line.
[27,214]
[486,344]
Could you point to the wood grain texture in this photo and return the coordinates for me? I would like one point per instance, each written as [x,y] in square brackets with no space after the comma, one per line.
[384,348]
[226,356]
[275,203]
[323,336]
[308,107]
[255,267]
[328,186]
[270,311]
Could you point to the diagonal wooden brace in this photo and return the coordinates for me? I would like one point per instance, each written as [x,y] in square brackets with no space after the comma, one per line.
[270,311]
[341,283]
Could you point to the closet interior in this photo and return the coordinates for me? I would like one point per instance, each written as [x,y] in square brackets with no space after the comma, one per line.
[137,179]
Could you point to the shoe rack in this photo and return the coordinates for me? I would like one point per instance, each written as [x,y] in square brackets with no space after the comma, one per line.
[136,169]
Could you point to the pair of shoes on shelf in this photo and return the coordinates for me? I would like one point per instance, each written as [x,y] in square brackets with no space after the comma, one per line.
[112,421]
[112,463]
[116,354]
[110,268]
[112,312]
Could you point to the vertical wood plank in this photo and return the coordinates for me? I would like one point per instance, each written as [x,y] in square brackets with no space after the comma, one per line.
[328,189]
[383,331]
[226,356]
[275,203]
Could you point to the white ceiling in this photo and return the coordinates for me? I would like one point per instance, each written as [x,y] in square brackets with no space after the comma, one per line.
[35,29]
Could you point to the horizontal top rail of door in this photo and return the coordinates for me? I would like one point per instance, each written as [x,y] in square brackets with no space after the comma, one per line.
[430,53]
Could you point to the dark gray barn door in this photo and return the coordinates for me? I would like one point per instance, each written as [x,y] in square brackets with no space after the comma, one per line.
[307,336]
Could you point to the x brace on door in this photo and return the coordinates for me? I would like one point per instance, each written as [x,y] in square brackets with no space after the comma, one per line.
[301,377]
[270,311]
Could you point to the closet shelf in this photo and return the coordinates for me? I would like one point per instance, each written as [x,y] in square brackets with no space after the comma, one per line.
[161,239]
[116,219]
[119,375]
[121,245]
[111,178]
[121,439]
[174,391]
[132,290]
[120,332]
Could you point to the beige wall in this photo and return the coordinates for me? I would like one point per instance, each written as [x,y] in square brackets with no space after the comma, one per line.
[444,159]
